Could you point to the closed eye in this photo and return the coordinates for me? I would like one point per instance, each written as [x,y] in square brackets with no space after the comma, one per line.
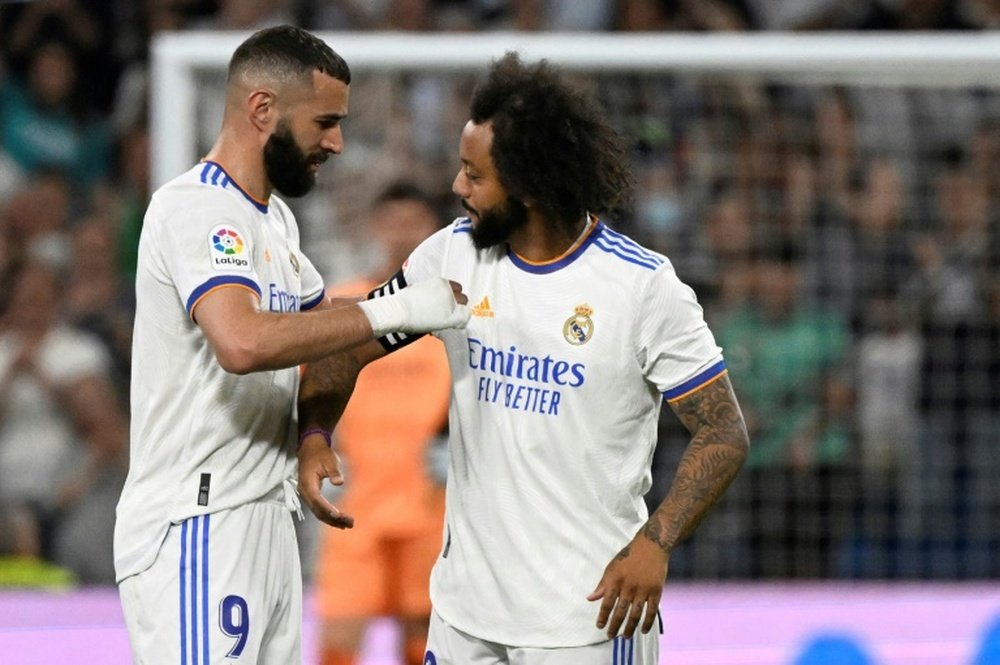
[330,121]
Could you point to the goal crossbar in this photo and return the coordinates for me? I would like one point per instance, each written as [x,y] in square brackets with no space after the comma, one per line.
[886,59]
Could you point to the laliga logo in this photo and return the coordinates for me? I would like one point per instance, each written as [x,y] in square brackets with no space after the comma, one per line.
[579,328]
[228,251]
[227,242]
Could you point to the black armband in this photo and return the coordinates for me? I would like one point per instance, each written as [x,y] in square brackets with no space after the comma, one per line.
[395,340]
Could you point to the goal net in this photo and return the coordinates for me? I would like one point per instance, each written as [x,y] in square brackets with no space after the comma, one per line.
[831,198]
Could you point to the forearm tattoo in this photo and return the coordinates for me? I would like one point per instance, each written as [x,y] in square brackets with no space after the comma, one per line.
[715,454]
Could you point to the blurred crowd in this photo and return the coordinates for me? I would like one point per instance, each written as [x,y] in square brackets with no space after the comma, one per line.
[844,242]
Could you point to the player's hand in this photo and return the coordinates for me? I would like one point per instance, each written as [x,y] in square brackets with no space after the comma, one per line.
[316,462]
[630,588]
[426,306]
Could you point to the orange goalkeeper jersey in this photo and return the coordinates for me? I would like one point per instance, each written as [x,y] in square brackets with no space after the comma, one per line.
[400,403]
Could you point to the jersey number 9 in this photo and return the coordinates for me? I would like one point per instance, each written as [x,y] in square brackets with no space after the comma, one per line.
[234,619]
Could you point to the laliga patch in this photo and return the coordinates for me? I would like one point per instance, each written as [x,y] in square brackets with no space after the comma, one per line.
[228,251]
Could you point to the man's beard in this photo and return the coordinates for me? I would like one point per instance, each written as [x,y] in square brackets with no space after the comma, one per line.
[288,166]
[497,224]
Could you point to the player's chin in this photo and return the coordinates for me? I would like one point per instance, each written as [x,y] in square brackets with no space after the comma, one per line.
[311,179]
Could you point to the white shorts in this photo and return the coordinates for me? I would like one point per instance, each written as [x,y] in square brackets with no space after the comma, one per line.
[447,645]
[224,588]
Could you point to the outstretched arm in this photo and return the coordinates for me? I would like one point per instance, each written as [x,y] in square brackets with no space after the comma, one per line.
[633,581]
[247,339]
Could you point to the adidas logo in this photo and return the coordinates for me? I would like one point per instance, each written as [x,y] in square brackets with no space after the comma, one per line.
[483,309]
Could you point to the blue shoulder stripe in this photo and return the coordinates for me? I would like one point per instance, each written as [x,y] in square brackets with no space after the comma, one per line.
[693,384]
[221,280]
[308,305]
[632,247]
[616,251]
[213,174]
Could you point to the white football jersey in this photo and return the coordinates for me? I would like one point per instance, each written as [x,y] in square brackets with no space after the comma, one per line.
[202,439]
[557,386]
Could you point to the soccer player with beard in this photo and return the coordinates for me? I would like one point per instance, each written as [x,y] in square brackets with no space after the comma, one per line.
[577,336]
[227,307]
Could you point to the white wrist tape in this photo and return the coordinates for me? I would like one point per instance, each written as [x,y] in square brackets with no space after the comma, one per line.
[385,314]
[422,307]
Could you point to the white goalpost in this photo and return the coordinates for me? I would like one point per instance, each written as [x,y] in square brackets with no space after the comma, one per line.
[931,60]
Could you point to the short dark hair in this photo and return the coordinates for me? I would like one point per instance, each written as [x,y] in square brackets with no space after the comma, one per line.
[407,191]
[403,190]
[553,145]
[288,52]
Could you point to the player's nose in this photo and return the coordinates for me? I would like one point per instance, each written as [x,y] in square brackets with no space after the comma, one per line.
[333,140]
[459,186]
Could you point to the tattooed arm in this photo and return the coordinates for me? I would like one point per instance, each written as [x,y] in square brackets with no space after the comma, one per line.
[326,387]
[718,447]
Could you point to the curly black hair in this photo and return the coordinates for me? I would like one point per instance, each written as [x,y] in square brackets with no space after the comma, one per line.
[553,145]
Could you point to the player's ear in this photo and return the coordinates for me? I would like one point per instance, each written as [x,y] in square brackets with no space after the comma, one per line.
[261,109]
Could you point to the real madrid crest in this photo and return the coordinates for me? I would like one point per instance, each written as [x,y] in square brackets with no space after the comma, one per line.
[295,262]
[579,328]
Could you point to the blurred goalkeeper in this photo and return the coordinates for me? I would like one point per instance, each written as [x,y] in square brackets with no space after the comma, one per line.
[388,437]
[577,336]
[227,307]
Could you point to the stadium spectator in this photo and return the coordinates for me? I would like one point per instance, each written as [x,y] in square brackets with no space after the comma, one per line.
[887,498]
[68,20]
[882,256]
[884,15]
[85,27]
[385,438]
[42,125]
[62,424]
[552,15]
[128,197]
[37,217]
[783,347]
[97,300]
[246,15]
[950,293]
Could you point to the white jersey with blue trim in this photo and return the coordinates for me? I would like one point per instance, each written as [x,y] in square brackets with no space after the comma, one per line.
[202,439]
[558,381]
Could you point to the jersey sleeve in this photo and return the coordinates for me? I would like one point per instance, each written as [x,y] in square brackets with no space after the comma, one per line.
[677,350]
[205,246]
[427,259]
[313,289]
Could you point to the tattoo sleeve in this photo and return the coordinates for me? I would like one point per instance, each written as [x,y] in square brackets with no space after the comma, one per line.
[718,447]
[327,385]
